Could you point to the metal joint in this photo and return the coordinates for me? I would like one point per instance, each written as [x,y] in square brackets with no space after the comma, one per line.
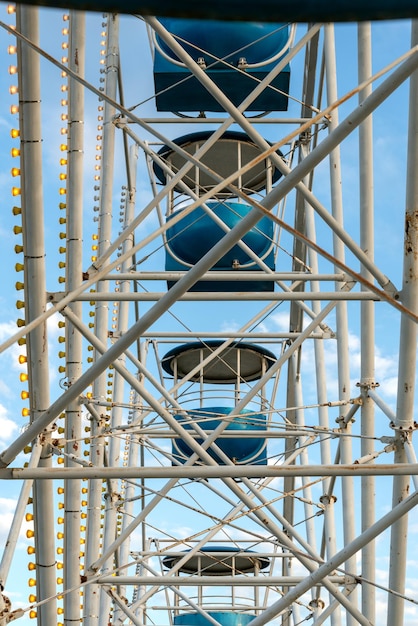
[305,138]
[328,499]
[368,385]
[403,429]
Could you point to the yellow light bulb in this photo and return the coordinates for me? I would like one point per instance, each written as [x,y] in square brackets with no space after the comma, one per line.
[32,598]
[13,90]
[25,412]
[16,191]
[22,359]
[30,533]
[14,108]
[32,582]
[15,152]
[15,133]
[12,49]
[12,69]
[23,377]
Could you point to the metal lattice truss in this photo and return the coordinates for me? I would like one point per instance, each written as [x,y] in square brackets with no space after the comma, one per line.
[170,522]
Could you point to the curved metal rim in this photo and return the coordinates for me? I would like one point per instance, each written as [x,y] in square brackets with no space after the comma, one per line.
[174,353]
[229,135]
[222,553]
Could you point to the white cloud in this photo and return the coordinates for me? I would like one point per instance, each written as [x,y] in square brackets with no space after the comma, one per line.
[10,357]
[7,329]
[281,321]
[7,427]
[8,506]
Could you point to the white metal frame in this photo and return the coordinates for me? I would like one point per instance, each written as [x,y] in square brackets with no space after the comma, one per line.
[321,474]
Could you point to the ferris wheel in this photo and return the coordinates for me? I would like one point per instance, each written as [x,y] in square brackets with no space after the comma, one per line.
[213,245]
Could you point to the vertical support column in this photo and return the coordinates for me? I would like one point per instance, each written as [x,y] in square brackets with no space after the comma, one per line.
[128,507]
[306,218]
[347,483]
[289,482]
[91,605]
[113,495]
[367,318]
[321,389]
[407,357]
[27,22]
[73,417]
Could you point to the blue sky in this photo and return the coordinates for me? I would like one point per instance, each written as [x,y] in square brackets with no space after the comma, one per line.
[390,133]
